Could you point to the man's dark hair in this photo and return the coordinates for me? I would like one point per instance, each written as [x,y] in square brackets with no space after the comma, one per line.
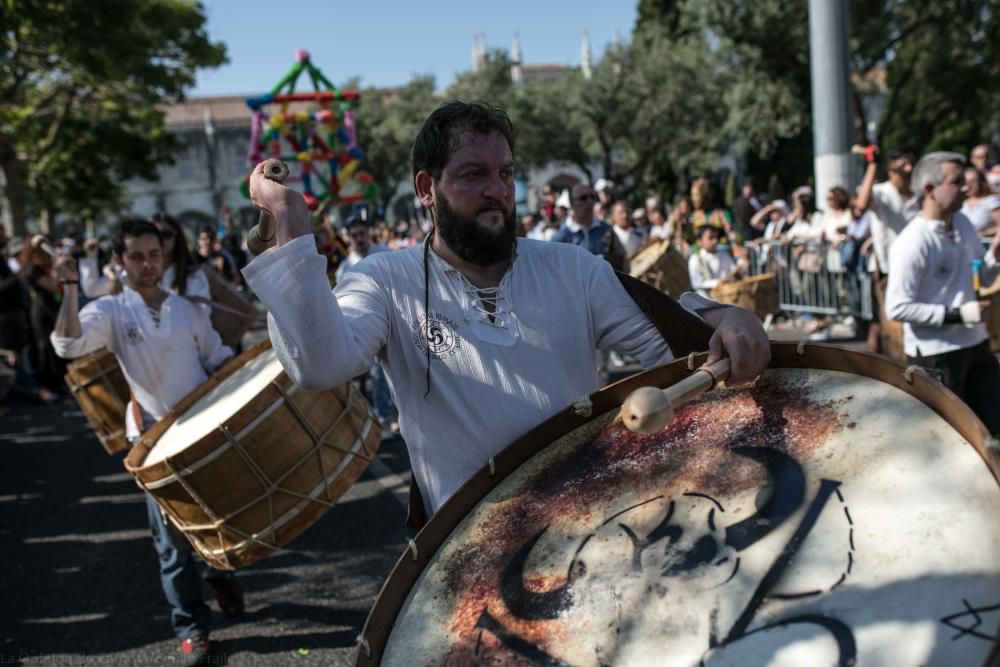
[440,135]
[134,227]
[903,151]
[706,228]
[181,259]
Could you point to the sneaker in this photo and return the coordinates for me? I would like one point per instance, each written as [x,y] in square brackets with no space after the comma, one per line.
[229,596]
[197,650]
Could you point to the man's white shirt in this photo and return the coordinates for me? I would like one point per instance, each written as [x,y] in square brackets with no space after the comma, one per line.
[490,381]
[630,239]
[706,269]
[354,257]
[892,213]
[930,270]
[162,363]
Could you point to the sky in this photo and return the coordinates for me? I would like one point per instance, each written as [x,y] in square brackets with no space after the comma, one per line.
[387,42]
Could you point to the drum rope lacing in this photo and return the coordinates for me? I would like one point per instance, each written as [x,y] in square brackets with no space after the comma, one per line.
[351,406]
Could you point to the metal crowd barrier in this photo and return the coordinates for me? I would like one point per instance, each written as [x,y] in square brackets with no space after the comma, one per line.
[814,277]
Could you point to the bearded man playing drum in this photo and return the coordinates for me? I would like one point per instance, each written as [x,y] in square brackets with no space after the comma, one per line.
[166,347]
[482,335]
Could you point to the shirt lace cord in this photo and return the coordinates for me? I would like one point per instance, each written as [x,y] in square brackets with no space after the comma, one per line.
[427,315]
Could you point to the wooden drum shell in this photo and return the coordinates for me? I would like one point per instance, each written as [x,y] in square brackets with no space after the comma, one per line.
[758,294]
[661,265]
[100,389]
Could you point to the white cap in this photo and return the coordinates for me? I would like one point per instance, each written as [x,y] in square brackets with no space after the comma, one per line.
[603,184]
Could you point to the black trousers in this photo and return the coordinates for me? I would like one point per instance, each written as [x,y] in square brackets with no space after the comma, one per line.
[973,373]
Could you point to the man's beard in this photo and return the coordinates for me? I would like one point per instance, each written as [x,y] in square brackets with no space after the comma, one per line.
[470,240]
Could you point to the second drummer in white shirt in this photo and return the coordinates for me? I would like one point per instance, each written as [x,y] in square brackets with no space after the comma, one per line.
[166,347]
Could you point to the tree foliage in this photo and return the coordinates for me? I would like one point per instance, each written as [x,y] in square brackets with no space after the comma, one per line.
[81,83]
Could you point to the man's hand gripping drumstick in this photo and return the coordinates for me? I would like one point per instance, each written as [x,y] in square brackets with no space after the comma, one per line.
[284,214]
[739,335]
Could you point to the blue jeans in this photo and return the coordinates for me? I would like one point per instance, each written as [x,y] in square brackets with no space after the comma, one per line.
[381,399]
[180,577]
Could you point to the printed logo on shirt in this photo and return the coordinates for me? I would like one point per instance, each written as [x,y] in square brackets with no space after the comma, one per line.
[132,333]
[440,336]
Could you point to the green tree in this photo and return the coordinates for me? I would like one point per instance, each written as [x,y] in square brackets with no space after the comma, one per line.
[81,82]
[388,121]
[942,63]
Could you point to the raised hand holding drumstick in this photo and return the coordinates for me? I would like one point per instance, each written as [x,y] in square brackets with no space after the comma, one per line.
[285,207]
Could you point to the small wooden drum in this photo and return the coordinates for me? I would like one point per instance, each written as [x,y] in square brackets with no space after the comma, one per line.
[840,511]
[993,314]
[662,266]
[249,460]
[100,389]
[758,294]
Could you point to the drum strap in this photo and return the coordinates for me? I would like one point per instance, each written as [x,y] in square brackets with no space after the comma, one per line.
[685,333]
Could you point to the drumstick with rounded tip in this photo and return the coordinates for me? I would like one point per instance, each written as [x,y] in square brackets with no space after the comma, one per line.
[647,410]
[38,241]
[261,236]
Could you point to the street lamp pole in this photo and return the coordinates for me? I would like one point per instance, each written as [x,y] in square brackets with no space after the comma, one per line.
[831,108]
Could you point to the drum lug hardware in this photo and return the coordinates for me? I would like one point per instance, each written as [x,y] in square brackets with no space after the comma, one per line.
[908,373]
[582,407]
[363,643]
[690,361]
[800,349]
[493,467]
[992,445]
[413,548]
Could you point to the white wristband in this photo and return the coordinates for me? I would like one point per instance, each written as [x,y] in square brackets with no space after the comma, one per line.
[970,312]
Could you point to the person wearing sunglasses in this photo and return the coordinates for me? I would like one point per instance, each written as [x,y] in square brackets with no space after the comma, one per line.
[583,229]
[893,201]
[179,276]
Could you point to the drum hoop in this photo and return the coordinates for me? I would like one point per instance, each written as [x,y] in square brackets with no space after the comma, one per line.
[816,356]
[134,462]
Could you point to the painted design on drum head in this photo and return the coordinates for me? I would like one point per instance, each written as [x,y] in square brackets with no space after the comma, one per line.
[441,336]
[767,521]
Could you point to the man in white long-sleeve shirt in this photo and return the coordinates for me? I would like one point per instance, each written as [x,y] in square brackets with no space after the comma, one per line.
[166,347]
[482,335]
[931,289]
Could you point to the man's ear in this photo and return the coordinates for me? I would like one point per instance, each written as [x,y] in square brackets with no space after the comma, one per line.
[423,183]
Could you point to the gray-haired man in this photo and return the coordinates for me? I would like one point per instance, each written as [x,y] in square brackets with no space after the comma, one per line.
[931,288]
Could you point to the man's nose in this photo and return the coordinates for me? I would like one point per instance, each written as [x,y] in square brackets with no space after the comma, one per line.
[497,189]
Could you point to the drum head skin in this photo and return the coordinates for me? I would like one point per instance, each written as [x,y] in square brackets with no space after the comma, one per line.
[820,517]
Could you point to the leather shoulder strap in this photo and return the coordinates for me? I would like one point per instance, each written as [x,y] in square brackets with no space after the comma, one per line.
[685,333]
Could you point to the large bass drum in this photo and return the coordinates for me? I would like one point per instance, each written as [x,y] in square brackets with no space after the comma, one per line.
[841,511]
[249,460]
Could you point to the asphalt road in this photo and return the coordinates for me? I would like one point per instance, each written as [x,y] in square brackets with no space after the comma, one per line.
[80,583]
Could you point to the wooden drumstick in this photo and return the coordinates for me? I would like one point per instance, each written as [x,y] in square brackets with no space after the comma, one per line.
[647,410]
[262,234]
[38,241]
